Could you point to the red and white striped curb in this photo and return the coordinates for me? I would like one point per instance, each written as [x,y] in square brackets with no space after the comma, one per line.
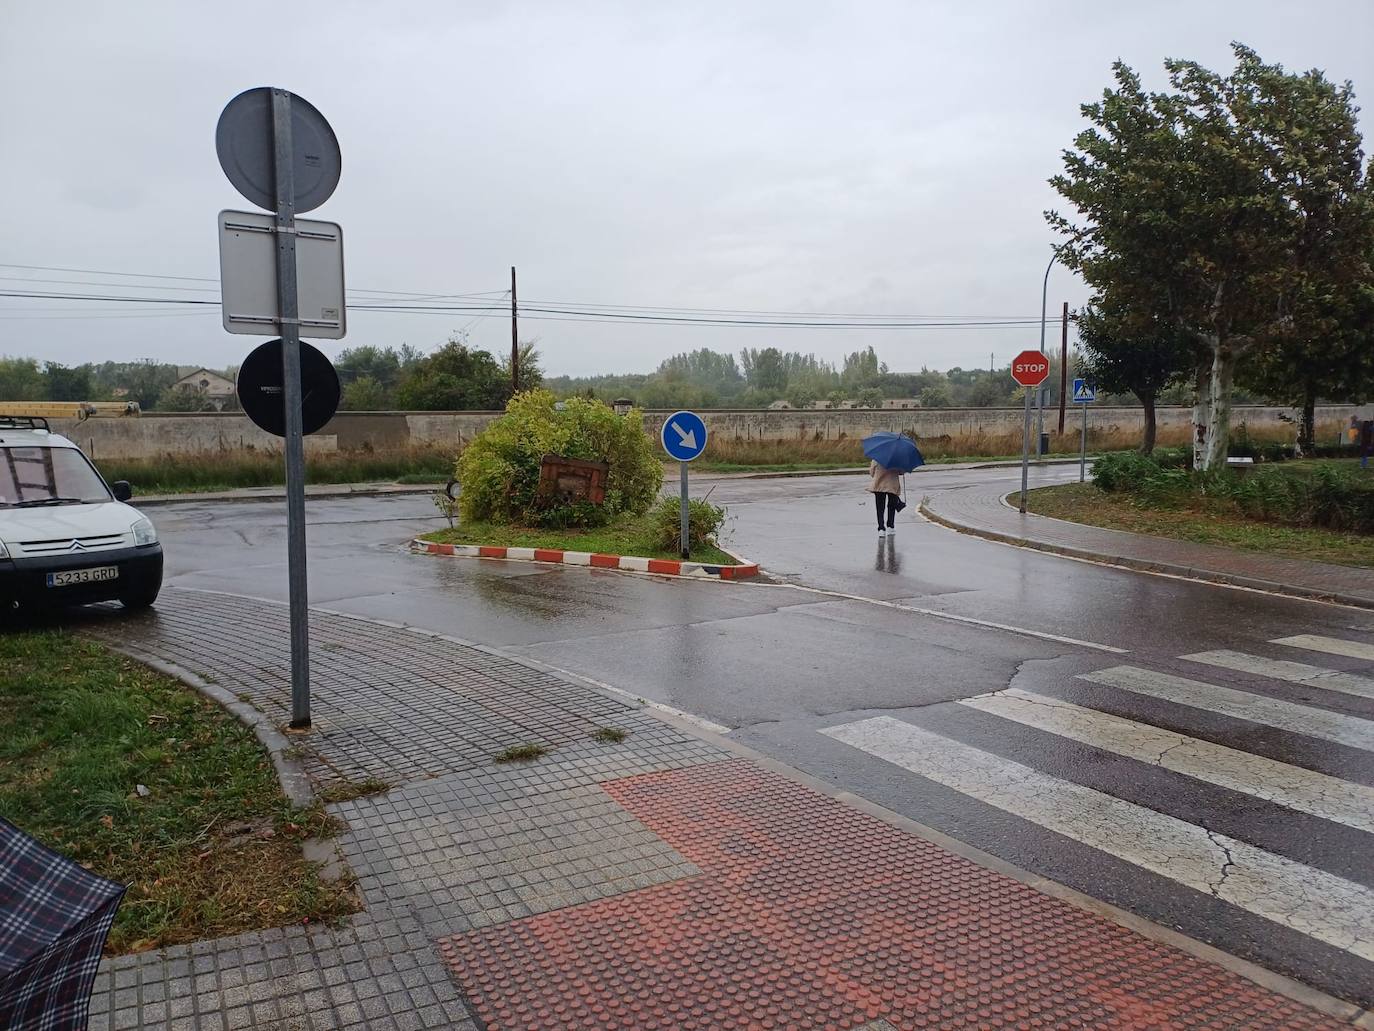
[629,563]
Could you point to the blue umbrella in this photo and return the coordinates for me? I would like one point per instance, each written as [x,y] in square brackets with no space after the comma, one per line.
[893,451]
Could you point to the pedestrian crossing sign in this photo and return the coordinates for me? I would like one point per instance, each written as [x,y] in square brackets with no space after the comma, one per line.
[1083,393]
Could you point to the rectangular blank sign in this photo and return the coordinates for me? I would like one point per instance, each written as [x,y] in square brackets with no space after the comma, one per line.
[248,275]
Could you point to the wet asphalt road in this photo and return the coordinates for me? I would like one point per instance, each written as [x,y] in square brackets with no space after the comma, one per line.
[777,663]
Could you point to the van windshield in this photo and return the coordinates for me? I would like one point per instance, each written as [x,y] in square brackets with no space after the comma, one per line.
[33,476]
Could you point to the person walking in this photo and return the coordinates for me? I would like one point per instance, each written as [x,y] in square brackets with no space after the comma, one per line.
[886,487]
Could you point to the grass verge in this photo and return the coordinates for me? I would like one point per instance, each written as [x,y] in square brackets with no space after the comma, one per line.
[212,849]
[631,535]
[1085,503]
[177,474]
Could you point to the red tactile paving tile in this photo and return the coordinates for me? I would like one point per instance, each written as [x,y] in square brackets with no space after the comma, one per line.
[809,914]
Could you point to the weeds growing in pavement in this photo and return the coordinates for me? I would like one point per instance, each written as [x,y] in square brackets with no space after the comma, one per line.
[610,735]
[520,753]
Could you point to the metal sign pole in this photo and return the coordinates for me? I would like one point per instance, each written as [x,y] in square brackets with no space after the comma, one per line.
[1025,451]
[1083,449]
[289,322]
[686,520]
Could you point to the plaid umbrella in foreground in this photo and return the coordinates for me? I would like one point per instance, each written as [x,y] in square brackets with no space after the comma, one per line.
[54,916]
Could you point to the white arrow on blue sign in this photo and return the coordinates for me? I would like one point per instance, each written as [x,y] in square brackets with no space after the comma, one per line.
[1083,393]
[684,436]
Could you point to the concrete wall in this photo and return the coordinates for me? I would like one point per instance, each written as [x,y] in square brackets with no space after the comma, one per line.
[207,434]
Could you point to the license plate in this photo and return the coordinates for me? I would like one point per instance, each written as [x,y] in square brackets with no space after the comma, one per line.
[72,577]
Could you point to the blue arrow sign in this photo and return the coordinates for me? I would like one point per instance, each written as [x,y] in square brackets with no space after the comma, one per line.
[1083,393]
[684,436]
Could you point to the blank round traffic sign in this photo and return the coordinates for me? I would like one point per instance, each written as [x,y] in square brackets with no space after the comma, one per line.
[263,397]
[1029,368]
[247,153]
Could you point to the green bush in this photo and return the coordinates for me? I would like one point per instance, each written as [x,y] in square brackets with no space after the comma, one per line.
[1328,497]
[499,469]
[703,522]
[1123,470]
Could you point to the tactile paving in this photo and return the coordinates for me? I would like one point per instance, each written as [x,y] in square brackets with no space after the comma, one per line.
[809,914]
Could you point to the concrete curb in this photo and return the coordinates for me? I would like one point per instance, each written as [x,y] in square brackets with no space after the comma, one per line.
[863,470]
[1147,566]
[155,500]
[625,563]
[290,771]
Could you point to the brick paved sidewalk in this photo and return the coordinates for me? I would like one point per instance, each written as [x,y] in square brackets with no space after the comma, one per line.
[979,510]
[656,882]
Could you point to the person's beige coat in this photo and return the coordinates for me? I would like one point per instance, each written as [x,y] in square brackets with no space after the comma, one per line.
[885,480]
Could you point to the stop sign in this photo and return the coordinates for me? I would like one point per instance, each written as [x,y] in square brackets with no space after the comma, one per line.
[1029,368]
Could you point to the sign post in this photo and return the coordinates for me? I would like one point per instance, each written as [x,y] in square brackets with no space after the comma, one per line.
[684,438]
[1083,395]
[1029,369]
[281,154]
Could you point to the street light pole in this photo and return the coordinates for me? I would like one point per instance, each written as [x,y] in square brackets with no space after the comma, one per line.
[1040,390]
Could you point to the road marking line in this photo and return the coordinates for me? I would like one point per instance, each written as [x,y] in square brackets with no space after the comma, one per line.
[1330,645]
[1314,902]
[949,616]
[1304,790]
[1299,719]
[1282,669]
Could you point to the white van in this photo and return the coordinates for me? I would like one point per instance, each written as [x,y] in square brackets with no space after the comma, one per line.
[66,537]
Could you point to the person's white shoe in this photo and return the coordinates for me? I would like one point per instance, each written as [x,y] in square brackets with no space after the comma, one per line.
[892,531]
[882,532]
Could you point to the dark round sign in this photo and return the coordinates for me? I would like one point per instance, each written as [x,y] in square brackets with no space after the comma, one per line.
[247,153]
[263,398]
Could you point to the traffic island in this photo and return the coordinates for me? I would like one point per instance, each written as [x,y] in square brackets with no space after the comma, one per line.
[733,568]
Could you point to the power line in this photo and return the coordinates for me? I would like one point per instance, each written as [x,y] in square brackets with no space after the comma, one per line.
[417,295]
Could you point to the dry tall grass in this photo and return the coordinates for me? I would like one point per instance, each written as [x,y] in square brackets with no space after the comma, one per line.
[228,469]
[969,446]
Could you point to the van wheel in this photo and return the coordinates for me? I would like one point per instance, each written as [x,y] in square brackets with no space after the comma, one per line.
[141,598]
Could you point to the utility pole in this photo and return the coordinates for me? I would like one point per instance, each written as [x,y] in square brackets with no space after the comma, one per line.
[514,337]
[992,361]
[1063,367]
[1040,390]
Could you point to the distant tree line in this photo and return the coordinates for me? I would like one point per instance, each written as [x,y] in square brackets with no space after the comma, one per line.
[148,382]
[455,377]
[759,378]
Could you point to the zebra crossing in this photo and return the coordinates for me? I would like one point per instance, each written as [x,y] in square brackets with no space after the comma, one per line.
[1187,849]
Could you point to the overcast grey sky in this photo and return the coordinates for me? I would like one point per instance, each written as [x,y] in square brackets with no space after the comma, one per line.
[784,155]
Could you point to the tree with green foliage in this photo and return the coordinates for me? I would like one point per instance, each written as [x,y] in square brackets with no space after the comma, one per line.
[1128,351]
[21,380]
[364,394]
[454,378]
[713,371]
[764,369]
[531,375]
[936,395]
[63,383]
[861,370]
[1211,205]
[499,469]
[182,399]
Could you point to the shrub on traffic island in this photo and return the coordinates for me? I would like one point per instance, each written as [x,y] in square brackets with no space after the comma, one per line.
[499,469]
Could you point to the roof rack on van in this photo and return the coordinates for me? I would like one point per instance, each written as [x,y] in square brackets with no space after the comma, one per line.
[23,422]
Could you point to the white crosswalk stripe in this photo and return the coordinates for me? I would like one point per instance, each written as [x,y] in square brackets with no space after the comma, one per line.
[1292,786]
[1326,907]
[1330,645]
[1282,669]
[1272,712]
